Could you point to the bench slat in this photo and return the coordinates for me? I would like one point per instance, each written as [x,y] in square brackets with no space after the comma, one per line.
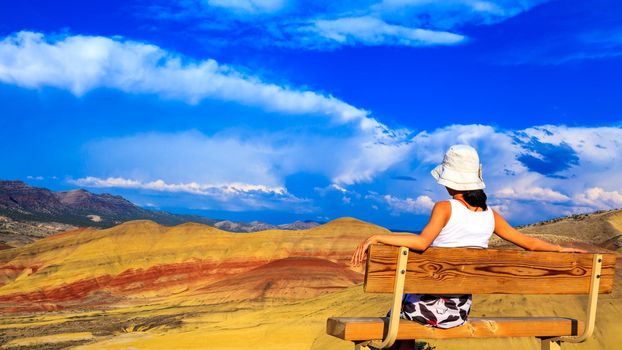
[486,271]
[370,328]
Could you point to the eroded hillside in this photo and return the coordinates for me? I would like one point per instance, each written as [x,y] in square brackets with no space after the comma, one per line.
[603,229]
[146,286]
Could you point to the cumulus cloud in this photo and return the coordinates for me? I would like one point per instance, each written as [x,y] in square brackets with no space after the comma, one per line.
[365,157]
[577,169]
[360,163]
[266,158]
[188,157]
[83,63]
[597,197]
[373,31]
[420,205]
[192,187]
[532,194]
[229,196]
[551,164]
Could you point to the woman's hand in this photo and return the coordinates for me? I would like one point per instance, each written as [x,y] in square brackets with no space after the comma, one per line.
[570,250]
[361,251]
[509,233]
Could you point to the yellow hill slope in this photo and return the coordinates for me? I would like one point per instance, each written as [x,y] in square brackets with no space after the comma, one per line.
[141,285]
[603,229]
[141,258]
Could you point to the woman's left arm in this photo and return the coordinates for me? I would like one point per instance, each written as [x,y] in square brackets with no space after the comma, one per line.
[438,219]
[504,230]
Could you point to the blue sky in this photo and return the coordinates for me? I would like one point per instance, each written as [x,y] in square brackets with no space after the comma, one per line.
[279,110]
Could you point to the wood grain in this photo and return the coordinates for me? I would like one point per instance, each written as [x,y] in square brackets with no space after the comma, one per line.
[372,328]
[486,271]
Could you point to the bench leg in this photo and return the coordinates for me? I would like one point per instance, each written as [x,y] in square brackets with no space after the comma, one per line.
[548,344]
[361,346]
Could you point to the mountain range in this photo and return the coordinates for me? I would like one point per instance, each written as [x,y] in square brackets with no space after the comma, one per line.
[28,213]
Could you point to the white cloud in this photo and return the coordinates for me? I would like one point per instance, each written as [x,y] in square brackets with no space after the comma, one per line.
[363,157]
[366,152]
[422,204]
[224,196]
[532,194]
[249,6]
[326,25]
[369,30]
[192,187]
[188,157]
[599,145]
[83,63]
[591,182]
[338,188]
[496,149]
[266,158]
[597,197]
[451,13]
[358,160]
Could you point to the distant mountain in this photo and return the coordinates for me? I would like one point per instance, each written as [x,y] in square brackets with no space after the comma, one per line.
[28,213]
[255,226]
[20,201]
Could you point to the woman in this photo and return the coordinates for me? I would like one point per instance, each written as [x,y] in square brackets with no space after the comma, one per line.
[463,221]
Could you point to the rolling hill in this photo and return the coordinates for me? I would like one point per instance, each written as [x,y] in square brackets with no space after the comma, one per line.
[142,258]
[192,286]
[602,229]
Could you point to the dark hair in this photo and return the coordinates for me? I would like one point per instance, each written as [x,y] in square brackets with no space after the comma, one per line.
[475,198]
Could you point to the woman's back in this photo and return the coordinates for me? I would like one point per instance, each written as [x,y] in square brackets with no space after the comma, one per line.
[466,228]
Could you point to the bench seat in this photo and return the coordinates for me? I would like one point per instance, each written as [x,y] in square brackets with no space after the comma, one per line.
[366,328]
[397,270]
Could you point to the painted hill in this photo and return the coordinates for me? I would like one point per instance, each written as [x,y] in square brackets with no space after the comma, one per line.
[284,279]
[192,286]
[603,229]
[140,259]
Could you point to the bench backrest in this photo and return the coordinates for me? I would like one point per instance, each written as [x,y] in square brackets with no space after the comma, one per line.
[487,271]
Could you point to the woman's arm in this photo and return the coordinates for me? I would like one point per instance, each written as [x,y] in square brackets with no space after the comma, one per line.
[504,230]
[438,219]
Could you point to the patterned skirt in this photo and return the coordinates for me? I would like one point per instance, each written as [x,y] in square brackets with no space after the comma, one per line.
[442,311]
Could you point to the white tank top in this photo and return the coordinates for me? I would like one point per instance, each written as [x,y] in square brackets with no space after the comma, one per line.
[466,228]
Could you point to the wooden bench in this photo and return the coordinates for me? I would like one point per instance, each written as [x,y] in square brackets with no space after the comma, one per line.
[478,271]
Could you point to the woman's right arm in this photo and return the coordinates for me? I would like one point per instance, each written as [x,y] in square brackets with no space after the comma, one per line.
[504,230]
[438,219]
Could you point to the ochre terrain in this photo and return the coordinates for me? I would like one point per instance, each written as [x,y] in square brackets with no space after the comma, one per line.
[603,229]
[140,285]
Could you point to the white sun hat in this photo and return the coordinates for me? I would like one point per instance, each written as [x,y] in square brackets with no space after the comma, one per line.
[460,170]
